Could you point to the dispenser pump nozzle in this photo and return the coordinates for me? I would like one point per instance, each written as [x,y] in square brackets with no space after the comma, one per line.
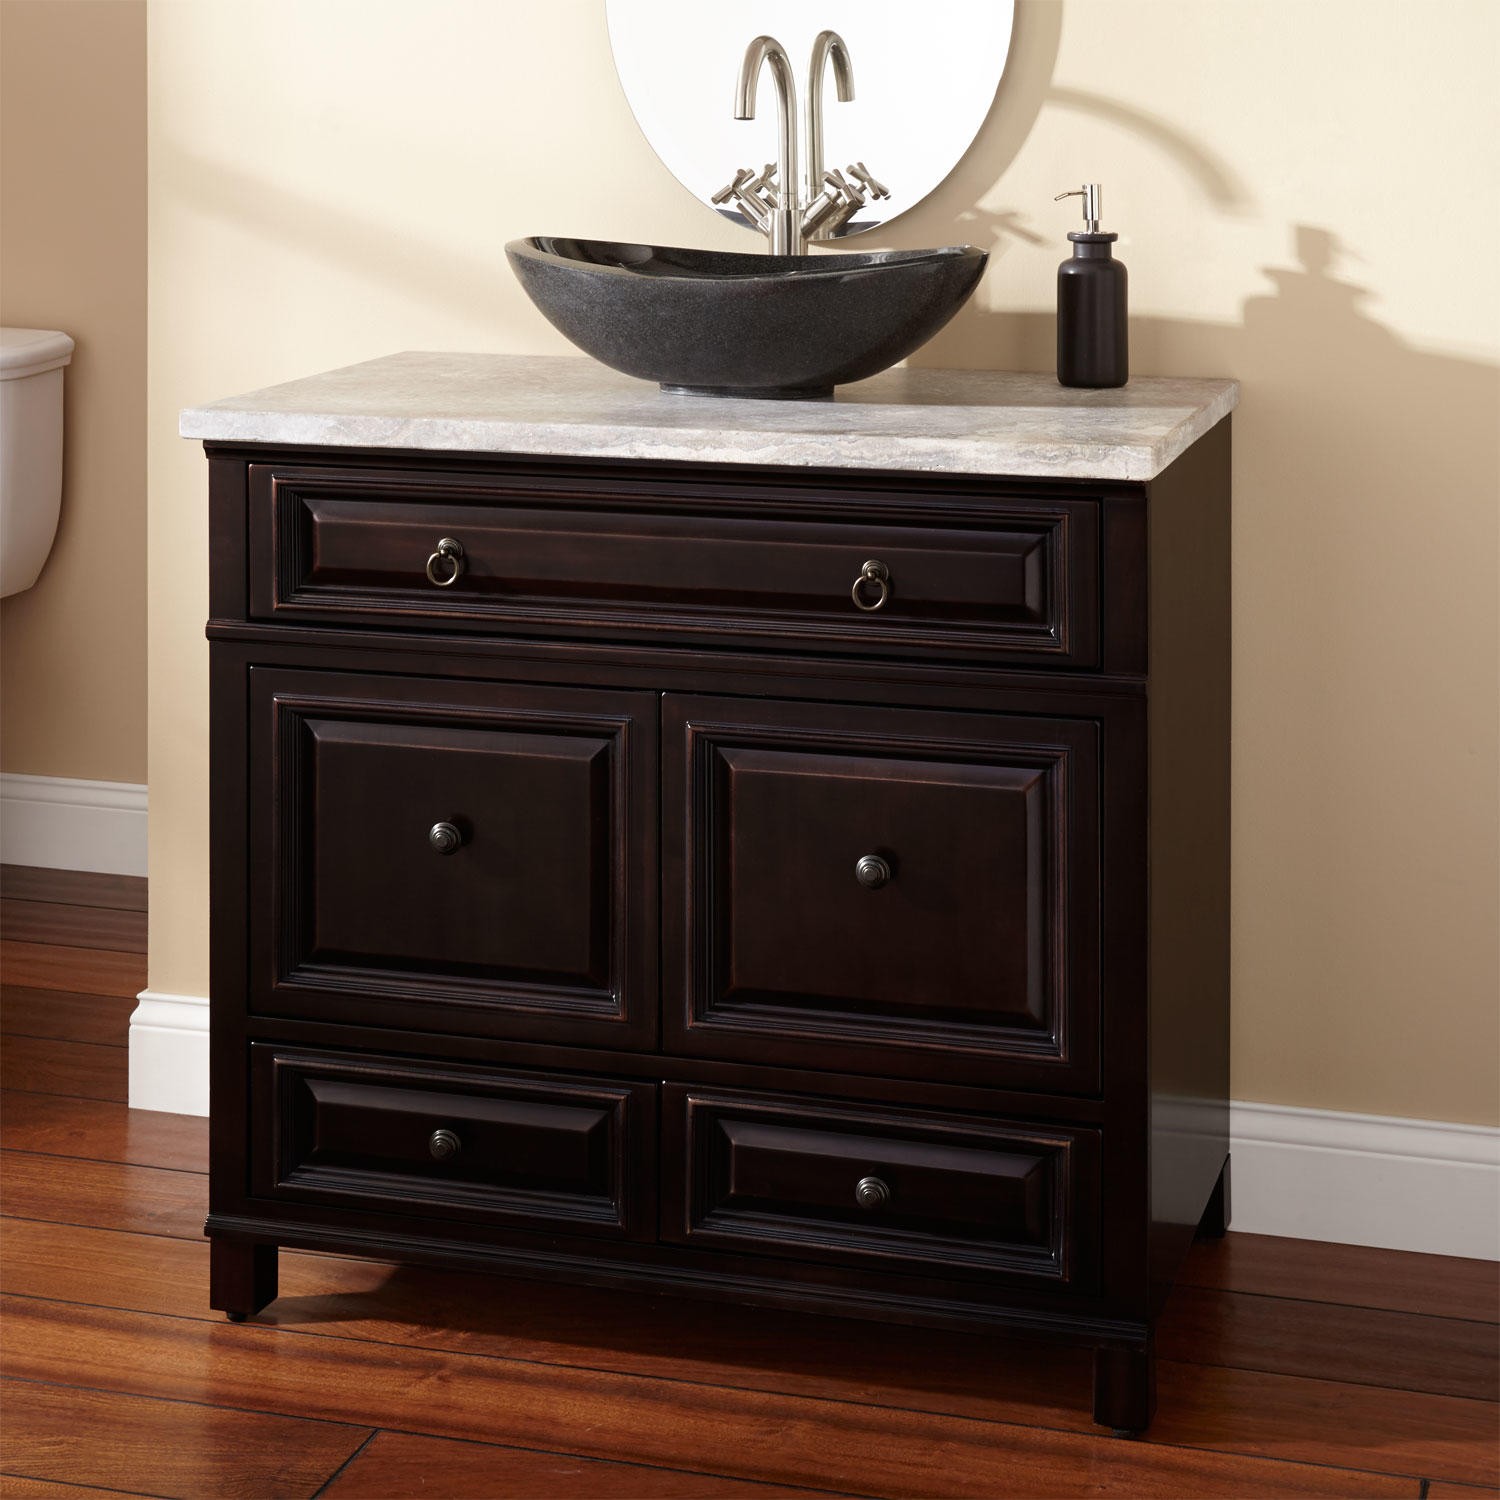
[1090,193]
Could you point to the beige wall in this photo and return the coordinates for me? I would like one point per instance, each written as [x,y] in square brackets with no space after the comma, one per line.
[73,256]
[1299,192]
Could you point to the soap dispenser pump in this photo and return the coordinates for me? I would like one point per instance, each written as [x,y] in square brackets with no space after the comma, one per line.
[1092,337]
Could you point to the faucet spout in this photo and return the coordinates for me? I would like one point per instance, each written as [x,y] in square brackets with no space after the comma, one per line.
[829,47]
[786,217]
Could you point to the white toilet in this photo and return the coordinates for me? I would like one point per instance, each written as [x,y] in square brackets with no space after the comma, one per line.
[31,450]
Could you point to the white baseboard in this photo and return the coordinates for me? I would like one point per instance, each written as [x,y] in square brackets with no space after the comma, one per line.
[1315,1174]
[1310,1174]
[169,1053]
[62,824]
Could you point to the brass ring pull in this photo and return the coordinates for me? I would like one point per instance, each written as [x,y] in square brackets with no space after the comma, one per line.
[874,574]
[444,1145]
[446,838]
[871,871]
[871,1192]
[449,558]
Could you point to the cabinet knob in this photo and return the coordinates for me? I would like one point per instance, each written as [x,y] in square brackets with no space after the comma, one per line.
[871,871]
[445,567]
[873,586]
[871,1192]
[445,838]
[444,1145]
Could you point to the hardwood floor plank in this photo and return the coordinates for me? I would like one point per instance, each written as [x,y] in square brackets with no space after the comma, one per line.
[49,966]
[65,1016]
[398,1465]
[83,1070]
[1440,1490]
[751,1435]
[72,887]
[104,1195]
[23,1487]
[1441,1286]
[165,1447]
[75,926]
[1359,1345]
[102,1131]
[818,1358]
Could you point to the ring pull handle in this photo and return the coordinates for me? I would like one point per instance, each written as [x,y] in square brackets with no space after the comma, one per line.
[874,576]
[871,1192]
[449,560]
[872,872]
[444,1145]
[446,838]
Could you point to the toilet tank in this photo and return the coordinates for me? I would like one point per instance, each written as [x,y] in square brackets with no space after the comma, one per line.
[31,450]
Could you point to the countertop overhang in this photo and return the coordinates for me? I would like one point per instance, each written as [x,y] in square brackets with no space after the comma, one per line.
[939,421]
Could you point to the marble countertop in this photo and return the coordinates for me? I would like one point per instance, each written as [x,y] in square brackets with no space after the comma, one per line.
[944,421]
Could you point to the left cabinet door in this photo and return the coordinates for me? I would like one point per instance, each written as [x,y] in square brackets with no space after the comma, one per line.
[475,858]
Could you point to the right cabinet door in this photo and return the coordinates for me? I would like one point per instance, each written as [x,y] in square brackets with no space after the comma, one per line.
[889,891]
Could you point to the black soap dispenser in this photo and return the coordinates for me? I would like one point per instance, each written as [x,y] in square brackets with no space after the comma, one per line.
[1092,336]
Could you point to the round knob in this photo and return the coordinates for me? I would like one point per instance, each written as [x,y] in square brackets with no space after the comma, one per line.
[871,871]
[446,565]
[445,838]
[444,1145]
[873,586]
[871,1192]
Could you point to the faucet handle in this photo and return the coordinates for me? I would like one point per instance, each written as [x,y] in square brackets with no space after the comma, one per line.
[867,180]
[732,189]
[764,183]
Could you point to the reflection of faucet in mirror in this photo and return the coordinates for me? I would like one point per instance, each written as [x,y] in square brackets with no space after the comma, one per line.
[773,200]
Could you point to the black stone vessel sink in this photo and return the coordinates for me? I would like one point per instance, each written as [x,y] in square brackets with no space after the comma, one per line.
[720,323]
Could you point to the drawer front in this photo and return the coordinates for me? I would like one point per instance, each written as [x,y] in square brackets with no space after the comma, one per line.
[902,1189]
[887,891]
[1018,580]
[475,858]
[444,1141]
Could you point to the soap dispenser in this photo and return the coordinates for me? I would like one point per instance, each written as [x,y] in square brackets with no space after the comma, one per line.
[1092,338]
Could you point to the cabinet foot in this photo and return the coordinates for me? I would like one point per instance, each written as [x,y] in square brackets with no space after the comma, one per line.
[241,1278]
[1215,1220]
[1124,1389]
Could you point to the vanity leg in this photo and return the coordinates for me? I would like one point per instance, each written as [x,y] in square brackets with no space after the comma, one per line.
[1125,1388]
[241,1278]
[1215,1218]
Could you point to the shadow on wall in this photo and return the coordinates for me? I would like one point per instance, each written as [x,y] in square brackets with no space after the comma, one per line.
[1365,639]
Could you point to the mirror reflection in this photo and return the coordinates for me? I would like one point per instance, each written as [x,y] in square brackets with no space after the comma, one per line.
[807,120]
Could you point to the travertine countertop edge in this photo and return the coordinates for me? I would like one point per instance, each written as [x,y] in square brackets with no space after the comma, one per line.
[961,422]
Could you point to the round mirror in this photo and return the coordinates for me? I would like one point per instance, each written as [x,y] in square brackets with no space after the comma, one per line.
[924,78]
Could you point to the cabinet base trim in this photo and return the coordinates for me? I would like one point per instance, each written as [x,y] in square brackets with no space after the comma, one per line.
[842,1301]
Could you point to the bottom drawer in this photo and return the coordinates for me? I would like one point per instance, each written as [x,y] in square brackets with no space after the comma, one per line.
[447,1141]
[907,1190]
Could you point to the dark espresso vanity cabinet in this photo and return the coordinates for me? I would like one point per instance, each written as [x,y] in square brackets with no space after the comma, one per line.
[803,883]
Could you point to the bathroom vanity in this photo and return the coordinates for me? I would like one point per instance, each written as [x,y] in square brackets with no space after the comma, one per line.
[753,850]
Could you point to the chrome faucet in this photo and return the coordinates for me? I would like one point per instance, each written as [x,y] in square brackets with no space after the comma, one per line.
[776,200]
[783,222]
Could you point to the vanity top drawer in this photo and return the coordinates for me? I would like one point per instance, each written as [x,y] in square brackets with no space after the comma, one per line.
[901,1188]
[878,574]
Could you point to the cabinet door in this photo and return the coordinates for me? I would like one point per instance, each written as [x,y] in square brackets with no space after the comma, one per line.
[886,891]
[477,858]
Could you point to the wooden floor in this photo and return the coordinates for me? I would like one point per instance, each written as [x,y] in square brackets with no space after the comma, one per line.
[1289,1368]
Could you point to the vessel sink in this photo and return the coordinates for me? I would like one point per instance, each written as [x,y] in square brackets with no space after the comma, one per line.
[723,323]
